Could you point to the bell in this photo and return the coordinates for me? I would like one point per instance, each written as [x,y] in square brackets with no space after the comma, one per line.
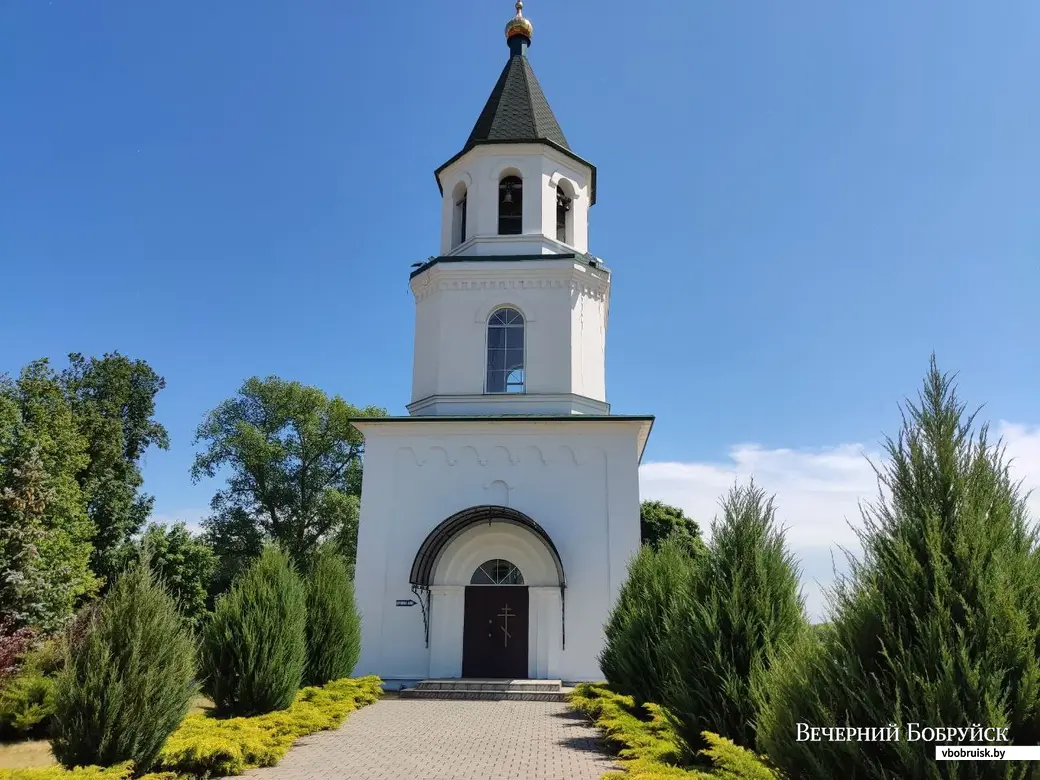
[508,197]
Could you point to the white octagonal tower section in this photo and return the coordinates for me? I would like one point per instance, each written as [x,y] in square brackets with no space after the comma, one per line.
[470,208]
[563,301]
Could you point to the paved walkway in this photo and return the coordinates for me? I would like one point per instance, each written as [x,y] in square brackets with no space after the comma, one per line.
[415,739]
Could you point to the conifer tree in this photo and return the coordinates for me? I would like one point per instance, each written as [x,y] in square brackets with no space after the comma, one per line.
[333,623]
[632,659]
[937,623]
[128,680]
[732,622]
[254,647]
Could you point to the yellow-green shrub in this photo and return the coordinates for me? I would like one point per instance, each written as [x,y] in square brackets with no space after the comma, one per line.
[206,746]
[651,750]
[26,705]
[123,771]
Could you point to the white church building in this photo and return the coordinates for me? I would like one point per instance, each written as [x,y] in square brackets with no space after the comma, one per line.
[499,516]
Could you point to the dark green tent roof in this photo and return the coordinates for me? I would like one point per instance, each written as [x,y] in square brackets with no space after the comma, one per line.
[517,110]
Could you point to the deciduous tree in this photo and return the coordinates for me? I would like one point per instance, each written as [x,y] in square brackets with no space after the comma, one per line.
[184,563]
[659,521]
[113,400]
[294,463]
[45,532]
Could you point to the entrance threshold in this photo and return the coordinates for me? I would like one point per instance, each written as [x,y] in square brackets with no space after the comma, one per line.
[489,690]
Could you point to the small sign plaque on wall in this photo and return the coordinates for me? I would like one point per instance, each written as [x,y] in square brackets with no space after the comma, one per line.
[406,602]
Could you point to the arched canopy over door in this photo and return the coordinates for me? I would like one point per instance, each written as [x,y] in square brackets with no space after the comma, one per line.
[426,559]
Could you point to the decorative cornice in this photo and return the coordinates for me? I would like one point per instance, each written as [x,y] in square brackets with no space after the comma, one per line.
[564,274]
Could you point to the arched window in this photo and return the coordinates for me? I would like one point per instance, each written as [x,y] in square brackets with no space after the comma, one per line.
[510,206]
[563,214]
[505,351]
[458,221]
[497,572]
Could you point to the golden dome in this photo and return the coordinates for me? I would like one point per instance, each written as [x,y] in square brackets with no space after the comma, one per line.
[519,25]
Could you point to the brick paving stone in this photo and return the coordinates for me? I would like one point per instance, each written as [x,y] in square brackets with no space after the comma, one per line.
[423,739]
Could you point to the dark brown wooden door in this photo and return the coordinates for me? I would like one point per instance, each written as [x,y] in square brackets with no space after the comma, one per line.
[494,633]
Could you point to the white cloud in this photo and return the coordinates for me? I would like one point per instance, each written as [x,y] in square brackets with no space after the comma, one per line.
[817,493]
[191,517]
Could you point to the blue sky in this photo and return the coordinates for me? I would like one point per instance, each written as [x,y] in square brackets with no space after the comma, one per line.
[799,202]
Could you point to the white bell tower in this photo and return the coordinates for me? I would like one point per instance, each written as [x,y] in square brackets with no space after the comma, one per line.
[509,490]
[511,317]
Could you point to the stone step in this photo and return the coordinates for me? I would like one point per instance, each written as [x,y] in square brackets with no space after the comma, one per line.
[525,686]
[477,695]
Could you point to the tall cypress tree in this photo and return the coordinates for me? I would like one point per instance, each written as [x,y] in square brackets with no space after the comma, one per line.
[633,658]
[937,624]
[733,620]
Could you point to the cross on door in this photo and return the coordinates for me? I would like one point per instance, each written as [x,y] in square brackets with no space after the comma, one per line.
[505,614]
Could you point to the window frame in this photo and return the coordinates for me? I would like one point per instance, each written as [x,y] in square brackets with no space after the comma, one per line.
[487,350]
[499,583]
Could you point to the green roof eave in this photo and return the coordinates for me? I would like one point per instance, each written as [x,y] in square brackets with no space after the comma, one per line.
[545,142]
[589,260]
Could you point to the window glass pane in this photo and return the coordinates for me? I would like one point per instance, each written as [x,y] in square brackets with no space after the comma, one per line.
[496,381]
[497,572]
[515,381]
[514,358]
[496,360]
[505,351]
[498,569]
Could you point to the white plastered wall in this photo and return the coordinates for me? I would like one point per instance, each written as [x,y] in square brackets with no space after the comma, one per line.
[577,481]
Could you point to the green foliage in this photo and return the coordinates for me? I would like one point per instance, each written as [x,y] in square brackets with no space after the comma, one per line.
[237,541]
[213,747]
[295,463]
[659,521]
[113,401]
[333,623]
[632,657]
[650,749]
[26,705]
[27,696]
[254,647]
[124,771]
[732,622]
[129,682]
[185,564]
[45,532]
[938,622]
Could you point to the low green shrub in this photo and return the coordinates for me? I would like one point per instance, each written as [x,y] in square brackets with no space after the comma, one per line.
[207,746]
[46,658]
[26,706]
[124,771]
[650,749]
[333,623]
[129,682]
[254,647]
